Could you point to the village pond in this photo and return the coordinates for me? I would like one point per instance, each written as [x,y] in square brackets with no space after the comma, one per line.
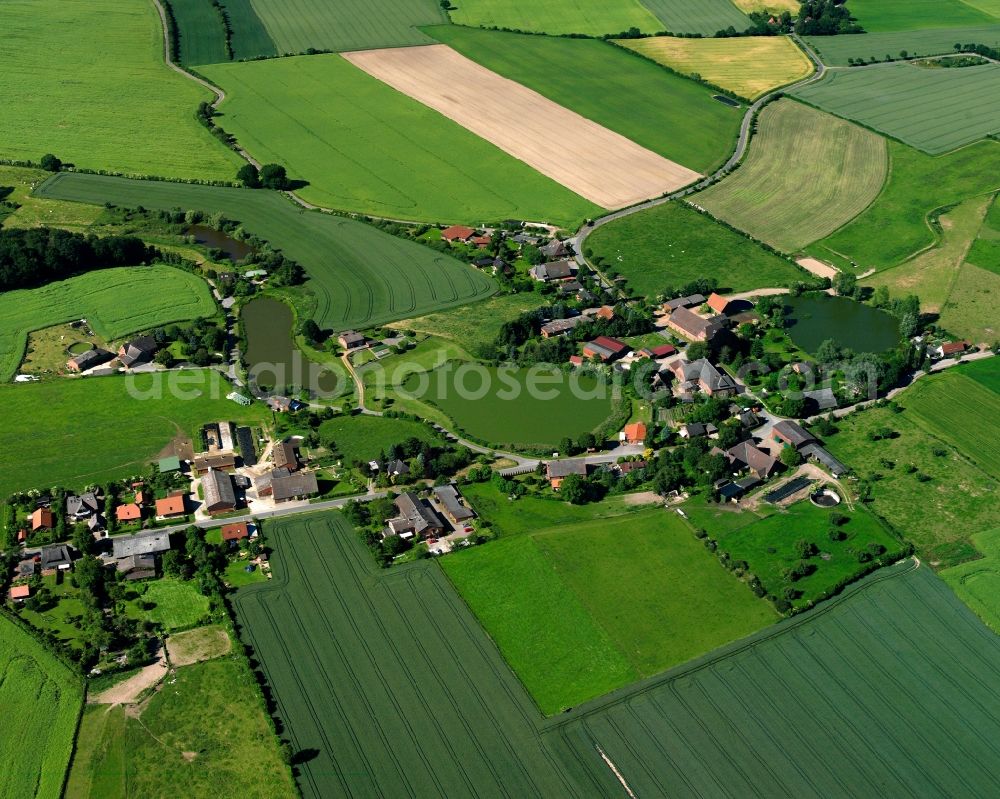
[234,249]
[811,319]
[273,358]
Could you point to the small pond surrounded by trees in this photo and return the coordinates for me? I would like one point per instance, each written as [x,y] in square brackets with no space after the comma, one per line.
[274,360]
[234,249]
[811,319]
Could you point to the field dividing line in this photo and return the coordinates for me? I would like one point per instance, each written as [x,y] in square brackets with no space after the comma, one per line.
[614,770]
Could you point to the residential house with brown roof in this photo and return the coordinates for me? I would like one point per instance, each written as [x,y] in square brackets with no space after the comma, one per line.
[42,519]
[605,312]
[234,533]
[701,375]
[457,233]
[554,270]
[557,471]
[416,518]
[283,454]
[138,350]
[350,339]
[694,327]
[746,455]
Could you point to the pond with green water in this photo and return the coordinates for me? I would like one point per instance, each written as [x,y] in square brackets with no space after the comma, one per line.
[811,319]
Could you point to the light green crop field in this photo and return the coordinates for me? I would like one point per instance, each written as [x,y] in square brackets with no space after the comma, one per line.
[836,50]
[807,174]
[177,603]
[665,113]
[673,244]
[98,93]
[345,24]
[359,275]
[205,734]
[938,515]
[365,438]
[365,147]
[583,608]
[41,701]
[76,432]
[698,16]
[200,34]
[934,110]
[515,406]
[895,226]
[250,38]
[593,17]
[977,582]
[746,65]
[897,15]
[986,373]
[115,302]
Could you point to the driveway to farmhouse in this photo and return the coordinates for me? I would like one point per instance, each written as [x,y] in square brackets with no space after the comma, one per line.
[128,691]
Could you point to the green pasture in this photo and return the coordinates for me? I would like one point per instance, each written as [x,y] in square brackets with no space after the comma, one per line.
[896,226]
[986,373]
[672,244]
[66,96]
[363,146]
[665,113]
[19,183]
[836,50]
[115,302]
[971,310]
[977,582]
[206,733]
[359,276]
[41,700]
[698,16]
[506,406]
[76,432]
[807,174]
[897,15]
[985,250]
[61,618]
[940,514]
[201,37]
[365,438]
[177,604]
[934,110]
[592,17]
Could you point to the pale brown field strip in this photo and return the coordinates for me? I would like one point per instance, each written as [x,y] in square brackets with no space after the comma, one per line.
[585,157]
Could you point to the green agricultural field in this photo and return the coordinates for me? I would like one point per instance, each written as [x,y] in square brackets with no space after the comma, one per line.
[41,700]
[344,25]
[807,174]
[955,408]
[123,432]
[698,16]
[769,547]
[66,97]
[205,734]
[592,17]
[986,373]
[583,608]
[898,15]
[836,50]
[250,38]
[533,408]
[747,66]
[977,582]
[177,604]
[895,226]
[115,302]
[672,244]
[365,147]
[971,309]
[200,34]
[938,515]
[365,438]
[665,113]
[359,275]
[985,250]
[934,110]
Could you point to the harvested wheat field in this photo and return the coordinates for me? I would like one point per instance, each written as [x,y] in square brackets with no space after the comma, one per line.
[596,163]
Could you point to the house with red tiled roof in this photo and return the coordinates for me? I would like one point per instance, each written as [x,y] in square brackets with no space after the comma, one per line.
[605,348]
[232,533]
[129,512]
[42,519]
[171,506]
[717,303]
[634,433]
[457,233]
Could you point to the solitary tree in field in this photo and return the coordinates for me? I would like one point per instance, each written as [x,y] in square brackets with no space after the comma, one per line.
[249,176]
[273,176]
[50,163]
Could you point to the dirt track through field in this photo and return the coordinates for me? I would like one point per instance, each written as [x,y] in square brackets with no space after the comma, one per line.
[585,157]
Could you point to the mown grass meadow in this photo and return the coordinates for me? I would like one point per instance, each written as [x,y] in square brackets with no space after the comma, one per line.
[66,97]
[359,276]
[115,302]
[41,700]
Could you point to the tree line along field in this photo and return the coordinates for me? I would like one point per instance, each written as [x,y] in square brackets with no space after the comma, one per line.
[80,113]
[199,31]
[696,246]
[836,50]
[359,275]
[115,302]
[41,700]
[897,15]
[366,147]
[895,225]
[806,175]
[748,66]
[665,113]
[581,609]
[77,432]
[933,109]
[591,17]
